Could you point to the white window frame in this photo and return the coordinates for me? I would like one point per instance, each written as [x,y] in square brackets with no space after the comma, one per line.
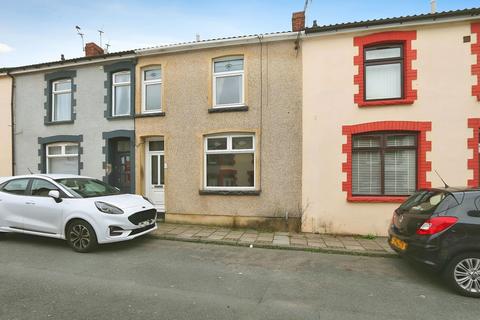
[228,74]
[62,154]
[121,84]
[146,83]
[55,92]
[230,150]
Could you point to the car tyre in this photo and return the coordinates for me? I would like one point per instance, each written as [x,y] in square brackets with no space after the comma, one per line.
[81,237]
[463,274]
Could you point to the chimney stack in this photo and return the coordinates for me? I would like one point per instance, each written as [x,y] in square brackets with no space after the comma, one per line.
[92,49]
[433,6]
[298,21]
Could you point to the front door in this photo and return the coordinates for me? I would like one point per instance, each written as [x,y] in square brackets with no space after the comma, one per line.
[120,175]
[155,173]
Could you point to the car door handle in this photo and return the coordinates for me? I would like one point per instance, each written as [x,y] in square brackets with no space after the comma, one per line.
[28,202]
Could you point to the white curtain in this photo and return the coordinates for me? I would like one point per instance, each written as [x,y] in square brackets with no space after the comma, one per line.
[383,81]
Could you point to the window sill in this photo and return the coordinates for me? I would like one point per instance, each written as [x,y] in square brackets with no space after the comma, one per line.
[151,114]
[228,109]
[377,199]
[391,102]
[54,123]
[120,117]
[229,192]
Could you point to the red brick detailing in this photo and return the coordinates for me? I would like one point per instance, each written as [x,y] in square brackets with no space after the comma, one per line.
[472,143]
[475,48]
[424,146]
[406,37]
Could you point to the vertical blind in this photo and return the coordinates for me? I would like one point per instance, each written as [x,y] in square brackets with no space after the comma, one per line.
[384,164]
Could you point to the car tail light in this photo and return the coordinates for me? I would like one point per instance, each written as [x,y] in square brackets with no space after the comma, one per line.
[436,225]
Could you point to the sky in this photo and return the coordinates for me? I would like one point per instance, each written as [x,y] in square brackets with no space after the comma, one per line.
[35,31]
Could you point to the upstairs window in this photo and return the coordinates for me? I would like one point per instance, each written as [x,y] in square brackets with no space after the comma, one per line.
[228,82]
[61,100]
[230,162]
[384,164]
[152,90]
[383,72]
[121,94]
[62,158]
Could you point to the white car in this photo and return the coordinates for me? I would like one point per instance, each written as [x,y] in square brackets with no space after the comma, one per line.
[82,210]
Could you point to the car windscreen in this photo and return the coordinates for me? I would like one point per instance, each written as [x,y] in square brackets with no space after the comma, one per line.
[425,202]
[87,188]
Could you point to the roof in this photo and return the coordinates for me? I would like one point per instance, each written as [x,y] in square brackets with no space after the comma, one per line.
[59,63]
[401,19]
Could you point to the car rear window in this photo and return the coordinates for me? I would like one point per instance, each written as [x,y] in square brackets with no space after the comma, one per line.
[428,201]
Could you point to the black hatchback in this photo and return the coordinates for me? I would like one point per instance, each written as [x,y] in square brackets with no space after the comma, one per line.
[441,229]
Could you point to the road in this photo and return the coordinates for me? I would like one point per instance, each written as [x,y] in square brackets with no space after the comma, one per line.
[155,279]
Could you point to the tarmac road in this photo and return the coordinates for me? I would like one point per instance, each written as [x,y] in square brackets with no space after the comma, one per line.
[155,279]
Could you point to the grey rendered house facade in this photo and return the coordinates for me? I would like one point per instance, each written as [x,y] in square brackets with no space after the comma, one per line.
[76,116]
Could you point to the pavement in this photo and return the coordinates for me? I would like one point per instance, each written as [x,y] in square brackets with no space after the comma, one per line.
[147,278]
[355,245]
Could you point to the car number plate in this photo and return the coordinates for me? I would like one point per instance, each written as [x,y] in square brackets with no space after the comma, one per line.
[397,243]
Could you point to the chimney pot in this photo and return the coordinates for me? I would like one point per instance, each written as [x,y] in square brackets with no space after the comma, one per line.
[298,21]
[92,49]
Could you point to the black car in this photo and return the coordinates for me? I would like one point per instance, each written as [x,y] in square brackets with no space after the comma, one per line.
[441,229]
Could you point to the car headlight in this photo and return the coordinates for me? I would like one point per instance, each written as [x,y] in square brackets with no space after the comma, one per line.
[146,199]
[107,208]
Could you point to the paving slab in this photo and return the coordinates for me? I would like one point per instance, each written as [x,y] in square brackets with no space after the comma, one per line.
[283,240]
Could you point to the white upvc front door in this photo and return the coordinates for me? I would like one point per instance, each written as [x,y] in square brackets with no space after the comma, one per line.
[155,173]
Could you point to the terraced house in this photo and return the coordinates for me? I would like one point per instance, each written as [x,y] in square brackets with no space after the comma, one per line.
[385,103]
[218,130]
[76,116]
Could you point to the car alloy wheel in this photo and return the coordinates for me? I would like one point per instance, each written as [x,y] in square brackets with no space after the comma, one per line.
[81,236]
[467,275]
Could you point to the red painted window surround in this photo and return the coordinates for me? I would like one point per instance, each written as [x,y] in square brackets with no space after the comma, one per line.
[475,48]
[423,165]
[405,37]
[472,143]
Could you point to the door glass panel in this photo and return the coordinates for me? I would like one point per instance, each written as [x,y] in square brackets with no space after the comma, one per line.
[18,186]
[154,170]
[162,170]
[155,146]
[123,146]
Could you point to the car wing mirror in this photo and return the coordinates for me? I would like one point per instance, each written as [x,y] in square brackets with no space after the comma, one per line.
[55,194]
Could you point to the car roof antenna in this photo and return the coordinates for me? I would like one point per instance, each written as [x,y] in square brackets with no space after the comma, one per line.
[446,185]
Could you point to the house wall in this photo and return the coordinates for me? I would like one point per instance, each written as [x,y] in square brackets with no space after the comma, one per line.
[273,96]
[5,126]
[444,88]
[90,121]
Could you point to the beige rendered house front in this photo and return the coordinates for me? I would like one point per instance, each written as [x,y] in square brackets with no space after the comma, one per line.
[385,103]
[218,131]
[5,125]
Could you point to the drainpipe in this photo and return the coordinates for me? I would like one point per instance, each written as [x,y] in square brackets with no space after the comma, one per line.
[12,120]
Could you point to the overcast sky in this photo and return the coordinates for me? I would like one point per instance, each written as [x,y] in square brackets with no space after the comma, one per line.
[33,31]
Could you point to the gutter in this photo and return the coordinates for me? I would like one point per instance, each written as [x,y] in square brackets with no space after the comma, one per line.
[224,42]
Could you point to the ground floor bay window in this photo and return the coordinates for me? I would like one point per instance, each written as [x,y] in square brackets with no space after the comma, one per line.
[230,162]
[62,158]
